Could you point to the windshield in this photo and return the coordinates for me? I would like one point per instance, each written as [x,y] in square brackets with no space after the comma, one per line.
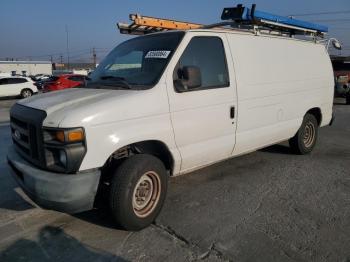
[136,63]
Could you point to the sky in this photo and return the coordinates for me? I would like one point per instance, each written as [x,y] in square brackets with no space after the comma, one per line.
[35,29]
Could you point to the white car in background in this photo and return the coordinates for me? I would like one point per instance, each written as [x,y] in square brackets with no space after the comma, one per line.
[17,86]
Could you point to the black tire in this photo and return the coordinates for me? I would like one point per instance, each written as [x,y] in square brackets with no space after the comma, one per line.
[26,93]
[348,98]
[123,202]
[305,139]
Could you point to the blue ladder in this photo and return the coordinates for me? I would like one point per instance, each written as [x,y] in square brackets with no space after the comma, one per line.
[250,16]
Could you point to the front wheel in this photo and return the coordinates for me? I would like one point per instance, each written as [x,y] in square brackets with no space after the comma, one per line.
[305,139]
[26,93]
[138,191]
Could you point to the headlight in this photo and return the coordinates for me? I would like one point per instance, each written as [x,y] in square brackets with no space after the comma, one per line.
[64,148]
[70,135]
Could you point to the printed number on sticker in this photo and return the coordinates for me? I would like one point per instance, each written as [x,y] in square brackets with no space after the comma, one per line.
[158,54]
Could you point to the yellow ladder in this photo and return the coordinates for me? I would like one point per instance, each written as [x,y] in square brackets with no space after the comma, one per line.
[145,24]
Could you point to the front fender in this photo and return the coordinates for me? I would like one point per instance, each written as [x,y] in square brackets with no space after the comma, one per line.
[103,140]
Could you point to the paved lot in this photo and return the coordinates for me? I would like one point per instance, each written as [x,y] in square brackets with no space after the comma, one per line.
[5,105]
[266,206]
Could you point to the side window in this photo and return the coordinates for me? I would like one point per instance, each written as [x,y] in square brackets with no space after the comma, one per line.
[81,78]
[207,54]
[76,78]
[3,81]
[73,78]
[16,80]
[22,80]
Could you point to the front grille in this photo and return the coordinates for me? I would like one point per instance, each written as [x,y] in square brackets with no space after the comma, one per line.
[24,137]
[26,130]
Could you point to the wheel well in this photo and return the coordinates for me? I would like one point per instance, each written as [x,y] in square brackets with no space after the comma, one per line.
[152,147]
[316,112]
[158,149]
[26,88]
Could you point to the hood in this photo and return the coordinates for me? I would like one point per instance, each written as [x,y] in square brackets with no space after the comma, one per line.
[86,106]
[54,101]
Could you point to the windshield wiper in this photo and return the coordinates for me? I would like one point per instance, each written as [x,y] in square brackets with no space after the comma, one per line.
[117,79]
[112,77]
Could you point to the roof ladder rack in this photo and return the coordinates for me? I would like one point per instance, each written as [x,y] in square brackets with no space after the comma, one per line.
[238,18]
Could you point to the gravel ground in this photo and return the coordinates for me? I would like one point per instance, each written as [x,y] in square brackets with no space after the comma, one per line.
[269,205]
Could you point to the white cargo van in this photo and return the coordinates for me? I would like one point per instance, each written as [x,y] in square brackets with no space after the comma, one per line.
[166,104]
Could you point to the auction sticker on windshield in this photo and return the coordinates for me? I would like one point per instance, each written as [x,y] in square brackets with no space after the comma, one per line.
[158,54]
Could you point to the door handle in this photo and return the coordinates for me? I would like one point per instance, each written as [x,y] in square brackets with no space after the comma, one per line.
[232,112]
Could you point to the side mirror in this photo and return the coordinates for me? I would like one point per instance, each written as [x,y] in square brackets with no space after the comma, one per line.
[189,78]
[336,44]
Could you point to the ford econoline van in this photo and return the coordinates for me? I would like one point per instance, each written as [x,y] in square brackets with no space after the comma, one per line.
[163,105]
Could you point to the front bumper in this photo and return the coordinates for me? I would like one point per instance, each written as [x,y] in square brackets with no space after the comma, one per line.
[66,193]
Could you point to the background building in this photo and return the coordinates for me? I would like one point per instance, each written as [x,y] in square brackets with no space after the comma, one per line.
[26,67]
[73,68]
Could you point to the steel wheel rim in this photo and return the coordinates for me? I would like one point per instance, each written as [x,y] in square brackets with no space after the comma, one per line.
[146,194]
[309,134]
[26,93]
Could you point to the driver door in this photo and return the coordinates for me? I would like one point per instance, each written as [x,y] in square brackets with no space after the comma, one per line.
[204,118]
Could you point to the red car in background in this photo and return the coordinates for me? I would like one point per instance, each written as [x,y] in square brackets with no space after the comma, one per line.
[63,82]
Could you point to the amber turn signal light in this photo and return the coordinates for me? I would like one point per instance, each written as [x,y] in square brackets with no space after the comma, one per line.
[74,136]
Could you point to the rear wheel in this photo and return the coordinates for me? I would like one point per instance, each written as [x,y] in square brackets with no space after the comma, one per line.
[26,93]
[305,139]
[138,191]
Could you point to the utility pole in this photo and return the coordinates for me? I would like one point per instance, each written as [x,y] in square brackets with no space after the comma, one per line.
[51,59]
[61,59]
[94,56]
[67,47]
